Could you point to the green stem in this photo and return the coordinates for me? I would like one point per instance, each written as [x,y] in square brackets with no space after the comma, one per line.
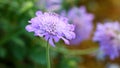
[48,56]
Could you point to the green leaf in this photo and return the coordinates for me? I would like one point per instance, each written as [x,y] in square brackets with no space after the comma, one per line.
[38,55]
[18,52]
[2,52]
[18,41]
[27,5]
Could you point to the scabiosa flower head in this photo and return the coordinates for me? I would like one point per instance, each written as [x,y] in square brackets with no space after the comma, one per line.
[83,22]
[108,36]
[52,27]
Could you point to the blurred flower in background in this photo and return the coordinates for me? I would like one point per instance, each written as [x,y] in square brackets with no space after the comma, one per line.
[108,36]
[83,22]
[50,5]
[51,26]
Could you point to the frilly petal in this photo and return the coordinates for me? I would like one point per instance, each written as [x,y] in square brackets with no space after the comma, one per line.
[66,41]
[38,13]
[29,28]
[47,37]
[56,39]
[51,42]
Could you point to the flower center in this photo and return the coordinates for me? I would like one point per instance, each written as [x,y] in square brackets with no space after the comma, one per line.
[50,28]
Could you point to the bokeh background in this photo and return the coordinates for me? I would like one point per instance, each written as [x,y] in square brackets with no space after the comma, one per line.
[21,49]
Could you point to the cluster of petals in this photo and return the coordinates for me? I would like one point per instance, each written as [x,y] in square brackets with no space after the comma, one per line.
[108,36]
[52,27]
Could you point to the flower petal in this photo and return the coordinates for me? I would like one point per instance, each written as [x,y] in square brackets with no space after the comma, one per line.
[51,42]
[69,35]
[47,37]
[65,40]
[37,33]
[38,13]
[56,39]
[29,28]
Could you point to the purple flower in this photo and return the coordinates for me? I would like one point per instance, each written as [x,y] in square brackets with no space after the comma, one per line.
[52,27]
[83,22]
[108,36]
[53,5]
